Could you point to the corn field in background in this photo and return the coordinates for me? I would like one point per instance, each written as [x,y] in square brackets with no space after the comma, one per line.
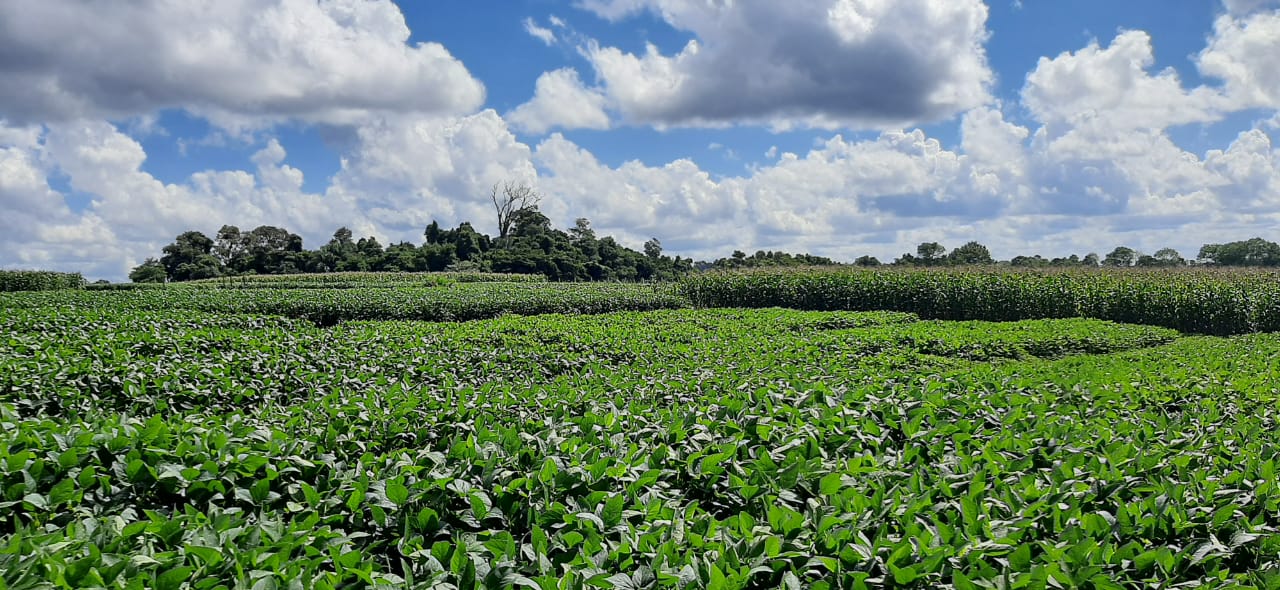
[1198,301]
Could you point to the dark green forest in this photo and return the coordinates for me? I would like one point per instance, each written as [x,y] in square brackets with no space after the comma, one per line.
[531,247]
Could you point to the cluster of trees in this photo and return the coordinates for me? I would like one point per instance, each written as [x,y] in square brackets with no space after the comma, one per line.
[1126,256]
[1252,252]
[264,250]
[1120,257]
[934,254]
[974,253]
[762,258]
[526,243]
[533,247]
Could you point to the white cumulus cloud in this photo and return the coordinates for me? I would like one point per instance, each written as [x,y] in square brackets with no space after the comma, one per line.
[1243,52]
[826,63]
[405,171]
[238,62]
[1111,87]
[402,172]
[560,100]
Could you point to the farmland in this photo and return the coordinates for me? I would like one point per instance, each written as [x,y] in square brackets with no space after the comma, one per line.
[695,435]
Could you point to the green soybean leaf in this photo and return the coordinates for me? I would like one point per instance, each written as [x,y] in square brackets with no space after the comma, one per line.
[397,493]
[173,578]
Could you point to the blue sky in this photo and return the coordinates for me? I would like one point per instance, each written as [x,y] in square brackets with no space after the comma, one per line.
[498,51]
[837,127]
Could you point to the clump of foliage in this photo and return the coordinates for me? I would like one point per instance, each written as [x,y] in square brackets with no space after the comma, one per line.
[935,254]
[1251,252]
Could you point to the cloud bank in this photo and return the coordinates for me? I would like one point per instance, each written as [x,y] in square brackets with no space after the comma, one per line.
[238,62]
[828,63]
[1080,160]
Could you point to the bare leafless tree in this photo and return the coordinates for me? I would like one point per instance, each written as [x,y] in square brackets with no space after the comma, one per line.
[510,198]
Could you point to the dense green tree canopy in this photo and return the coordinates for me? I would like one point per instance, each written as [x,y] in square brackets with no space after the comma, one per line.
[930,253]
[765,258]
[533,245]
[1252,252]
[150,271]
[971,253]
[1121,256]
[190,257]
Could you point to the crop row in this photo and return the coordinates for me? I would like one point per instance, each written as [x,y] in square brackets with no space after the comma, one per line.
[373,279]
[38,280]
[336,280]
[464,301]
[1204,302]
[665,449]
[76,362]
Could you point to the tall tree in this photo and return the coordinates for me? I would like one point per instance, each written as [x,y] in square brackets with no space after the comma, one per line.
[1169,257]
[1072,260]
[266,250]
[369,247]
[971,253]
[581,230]
[1121,256]
[190,257]
[433,233]
[342,238]
[529,222]
[653,248]
[1035,261]
[150,271]
[509,200]
[930,253]
[228,245]
[468,243]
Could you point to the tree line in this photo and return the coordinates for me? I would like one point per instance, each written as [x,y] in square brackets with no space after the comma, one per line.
[1251,252]
[532,246]
[528,244]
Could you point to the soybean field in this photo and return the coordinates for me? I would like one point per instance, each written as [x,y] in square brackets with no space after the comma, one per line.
[977,430]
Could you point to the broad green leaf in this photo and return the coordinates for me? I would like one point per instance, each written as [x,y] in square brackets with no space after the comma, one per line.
[904,575]
[173,578]
[831,484]
[397,493]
